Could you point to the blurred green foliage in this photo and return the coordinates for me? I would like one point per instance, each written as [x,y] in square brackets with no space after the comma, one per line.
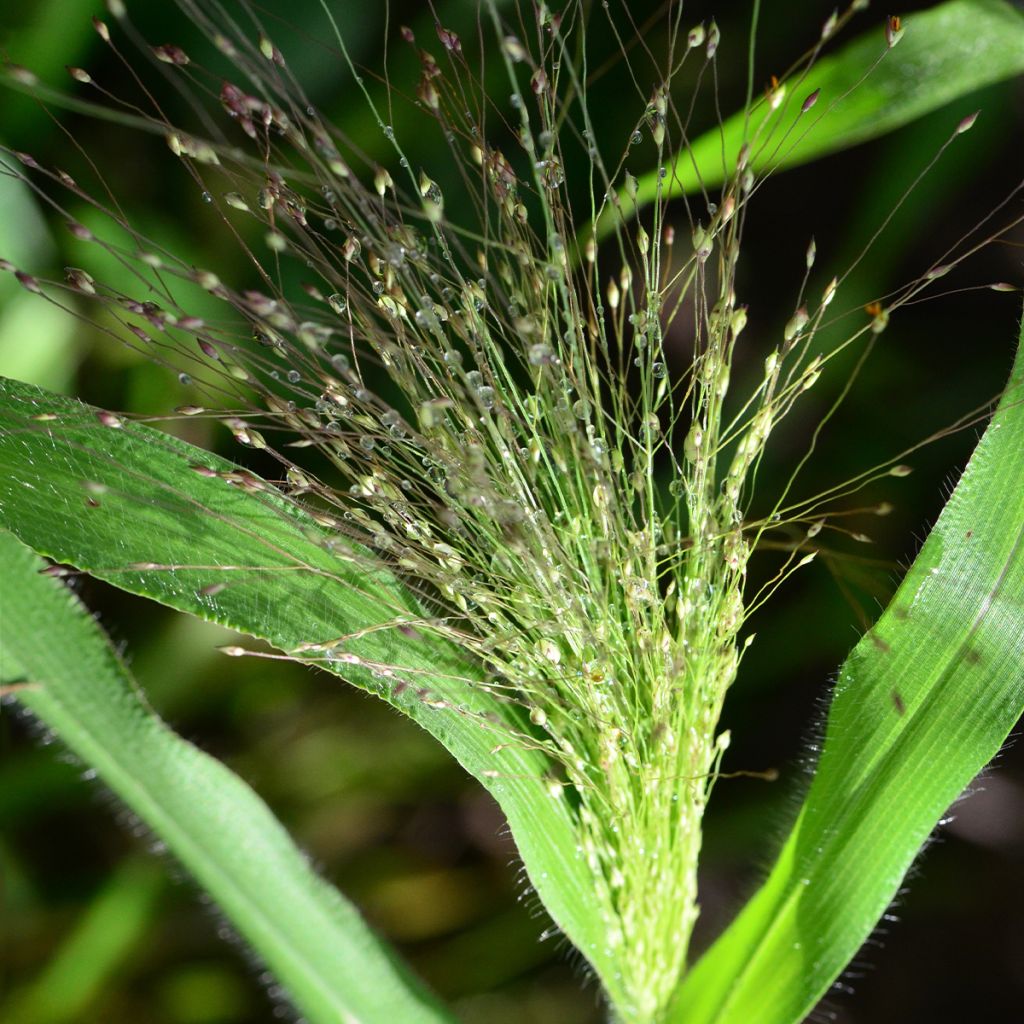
[94,930]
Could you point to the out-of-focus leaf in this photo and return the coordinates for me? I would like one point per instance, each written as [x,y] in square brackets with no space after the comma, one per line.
[953,49]
[110,929]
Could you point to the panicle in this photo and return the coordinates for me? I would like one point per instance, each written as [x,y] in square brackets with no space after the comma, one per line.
[472,395]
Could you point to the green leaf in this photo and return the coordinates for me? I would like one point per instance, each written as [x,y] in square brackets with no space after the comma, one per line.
[124,505]
[25,239]
[923,703]
[96,949]
[948,51]
[332,966]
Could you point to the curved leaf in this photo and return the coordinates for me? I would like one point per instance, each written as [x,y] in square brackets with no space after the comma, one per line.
[315,943]
[124,504]
[923,703]
[953,49]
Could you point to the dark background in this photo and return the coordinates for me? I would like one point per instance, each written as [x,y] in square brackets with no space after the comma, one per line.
[89,914]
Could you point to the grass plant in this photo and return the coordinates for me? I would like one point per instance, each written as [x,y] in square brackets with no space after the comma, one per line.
[498,472]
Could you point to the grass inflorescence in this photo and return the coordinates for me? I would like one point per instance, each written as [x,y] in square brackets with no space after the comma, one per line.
[477,397]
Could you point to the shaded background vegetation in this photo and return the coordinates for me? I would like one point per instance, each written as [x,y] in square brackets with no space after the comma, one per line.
[96,929]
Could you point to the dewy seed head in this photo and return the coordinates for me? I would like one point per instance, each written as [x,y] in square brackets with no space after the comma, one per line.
[473,393]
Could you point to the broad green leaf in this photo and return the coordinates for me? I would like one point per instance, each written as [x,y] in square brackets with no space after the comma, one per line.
[315,943]
[923,703]
[948,51]
[125,505]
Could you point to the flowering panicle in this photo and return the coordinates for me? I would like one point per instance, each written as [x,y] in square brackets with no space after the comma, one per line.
[492,403]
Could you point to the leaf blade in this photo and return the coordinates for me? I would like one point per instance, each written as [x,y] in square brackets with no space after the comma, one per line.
[950,50]
[312,939]
[923,703]
[284,586]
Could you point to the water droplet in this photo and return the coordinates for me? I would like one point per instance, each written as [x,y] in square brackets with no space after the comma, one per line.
[427,318]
